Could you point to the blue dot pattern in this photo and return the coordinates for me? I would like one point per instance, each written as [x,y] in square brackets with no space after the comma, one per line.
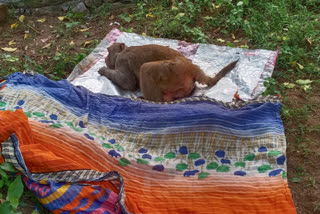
[158,167]
[240,173]
[20,102]
[142,150]
[262,149]
[53,117]
[220,153]
[112,141]
[199,162]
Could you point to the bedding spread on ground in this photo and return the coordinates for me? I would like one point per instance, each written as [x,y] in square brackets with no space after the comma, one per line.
[83,152]
[246,79]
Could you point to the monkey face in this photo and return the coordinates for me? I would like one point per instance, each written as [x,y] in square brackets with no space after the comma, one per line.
[114,50]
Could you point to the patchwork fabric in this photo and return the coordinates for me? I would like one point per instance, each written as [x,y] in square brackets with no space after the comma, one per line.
[114,154]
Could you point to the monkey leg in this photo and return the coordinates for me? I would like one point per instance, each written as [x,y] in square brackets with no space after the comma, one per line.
[166,80]
[148,83]
[124,80]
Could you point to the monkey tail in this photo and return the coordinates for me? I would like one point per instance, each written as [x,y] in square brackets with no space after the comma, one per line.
[211,81]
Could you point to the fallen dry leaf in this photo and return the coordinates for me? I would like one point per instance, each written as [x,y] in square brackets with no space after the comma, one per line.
[174,7]
[86,43]
[303,82]
[233,36]
[71,43]
[244,46]
[12,42]
[300,66]
[240,3]
[12,59]
[220,40]
[61,18]
[44,40]
[289,85]
[306,87]
[46,46]
[84,29]
[143,34]
[178,16]
[114,23]
[21,18]
[149,15]
[41,20]
[295,63]
[207,17]
[14,25]
[215,6]
[9,49]
[26,35]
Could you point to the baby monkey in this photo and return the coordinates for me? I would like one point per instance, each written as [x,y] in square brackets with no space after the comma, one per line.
[162,74]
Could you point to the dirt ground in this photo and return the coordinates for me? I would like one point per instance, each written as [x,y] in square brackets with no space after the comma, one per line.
[304,163]
[303,158]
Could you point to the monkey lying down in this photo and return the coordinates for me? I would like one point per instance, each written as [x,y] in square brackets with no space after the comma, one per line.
[162,73]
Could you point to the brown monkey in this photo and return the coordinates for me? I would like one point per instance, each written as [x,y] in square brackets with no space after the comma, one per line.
[168,80]
[124,62]
[162,73]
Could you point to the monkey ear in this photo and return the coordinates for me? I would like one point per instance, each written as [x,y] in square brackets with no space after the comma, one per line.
[122,46]
[165,72]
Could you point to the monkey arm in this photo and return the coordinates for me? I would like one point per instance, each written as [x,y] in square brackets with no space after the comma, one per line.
[124,80]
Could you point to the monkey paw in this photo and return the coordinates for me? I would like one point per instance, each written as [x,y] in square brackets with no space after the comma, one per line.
[102,71]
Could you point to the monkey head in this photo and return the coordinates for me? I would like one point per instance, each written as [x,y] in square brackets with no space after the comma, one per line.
[114,50]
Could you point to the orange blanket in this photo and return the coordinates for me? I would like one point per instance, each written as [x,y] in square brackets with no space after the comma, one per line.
[94,153]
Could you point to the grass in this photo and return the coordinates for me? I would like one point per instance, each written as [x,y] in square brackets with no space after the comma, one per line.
[291,25]
[62,60]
